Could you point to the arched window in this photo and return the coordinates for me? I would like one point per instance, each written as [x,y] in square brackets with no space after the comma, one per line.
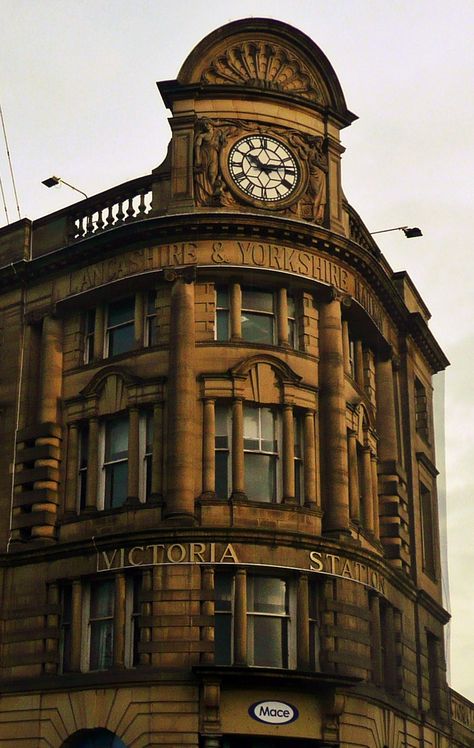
[96,738]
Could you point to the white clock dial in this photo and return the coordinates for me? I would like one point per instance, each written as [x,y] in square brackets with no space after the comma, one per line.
[263,168]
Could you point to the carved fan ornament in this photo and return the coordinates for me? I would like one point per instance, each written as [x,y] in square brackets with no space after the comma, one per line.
[266,66]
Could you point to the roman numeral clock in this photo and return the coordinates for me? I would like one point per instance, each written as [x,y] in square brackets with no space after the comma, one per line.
[263,168]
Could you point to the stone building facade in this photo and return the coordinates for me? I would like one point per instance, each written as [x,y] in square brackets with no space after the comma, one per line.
[218,478]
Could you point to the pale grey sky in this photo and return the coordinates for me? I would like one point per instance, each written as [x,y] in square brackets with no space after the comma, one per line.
[77,88]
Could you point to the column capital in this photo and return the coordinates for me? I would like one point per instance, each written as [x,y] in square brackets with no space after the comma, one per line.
[187,274]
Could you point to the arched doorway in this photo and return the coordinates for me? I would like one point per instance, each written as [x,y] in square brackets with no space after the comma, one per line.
[99,737]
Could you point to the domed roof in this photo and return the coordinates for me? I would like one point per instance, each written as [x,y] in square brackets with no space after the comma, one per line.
[268,56]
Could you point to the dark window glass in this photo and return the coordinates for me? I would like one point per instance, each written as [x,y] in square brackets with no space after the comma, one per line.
[223,619]
[222,314]
[258,316]
[314,640]
[136,583]
[116,462]
[151,329]
[65,634]
[83,456]
[89,336]
[102,598]
[298,446]
[427,531]
[148,453]
[121,326]
[222,439]
[293,338]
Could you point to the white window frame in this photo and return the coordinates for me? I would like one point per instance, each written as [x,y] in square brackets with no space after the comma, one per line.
[102,464]
[276,455]
[263,313]
[86,624]
[289,617]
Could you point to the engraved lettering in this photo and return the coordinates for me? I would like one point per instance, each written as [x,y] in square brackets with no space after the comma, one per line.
[131,555]
[109,561]
[315,557]
[181,553]
[229,554]
[196,551]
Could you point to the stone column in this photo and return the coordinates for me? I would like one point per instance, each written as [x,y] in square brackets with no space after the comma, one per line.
[367,496]
[119,621]
[282,317]
[386,413]
[302,618]
[235,303]
[181,400]
[288,455]
[354,492]
[51,370]
[359,363]
[93,465]
[375,493]
[133,454]
[309,460]
[207,611]
[346,347]
[240,618]
[208,449]
[76,625]
[238,474]
[333,418]
[72,469]
[157,452]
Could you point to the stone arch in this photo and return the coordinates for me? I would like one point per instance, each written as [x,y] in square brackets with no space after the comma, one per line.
[98,737]
[265,378]
[109,388]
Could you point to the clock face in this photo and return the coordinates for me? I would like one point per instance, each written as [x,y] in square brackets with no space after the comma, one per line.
[263,168]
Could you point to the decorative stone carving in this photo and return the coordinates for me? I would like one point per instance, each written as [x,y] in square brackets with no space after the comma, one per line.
[259,64]
[210,146]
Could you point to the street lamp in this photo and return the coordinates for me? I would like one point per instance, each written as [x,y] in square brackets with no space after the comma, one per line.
[409,233]
[53,181]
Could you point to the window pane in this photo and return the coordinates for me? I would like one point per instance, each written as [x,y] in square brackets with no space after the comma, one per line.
[223,592]
[268,595]
[121,339]
[121,311]
[116,484]
[116,439]
[222,639]
[257,328]
[222,298]
[222,413]
[251,424]
[291,307]
[102,599]
[260,476]
[261,301]
[222,479]
[222,324]
[101,647]
[269,642]
[267,418]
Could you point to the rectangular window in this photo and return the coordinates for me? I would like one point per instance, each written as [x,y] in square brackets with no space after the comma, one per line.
[115,464]
[65,629]
[298,447]
[260,453]
[258,316]
[146,447]
[151,336]
[83,457]
[293,337]
[314,639]
[120,331]
[222,450]
[89,336]
[101,624]
[428,531]
[223,639]
[222,331]
[268,615]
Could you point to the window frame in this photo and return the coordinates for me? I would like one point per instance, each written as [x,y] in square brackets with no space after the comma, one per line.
[111,328]
[86,643]
[260,313]
[102,503]
[273,454]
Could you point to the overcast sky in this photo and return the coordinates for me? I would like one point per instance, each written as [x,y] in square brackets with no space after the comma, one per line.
[77,89]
